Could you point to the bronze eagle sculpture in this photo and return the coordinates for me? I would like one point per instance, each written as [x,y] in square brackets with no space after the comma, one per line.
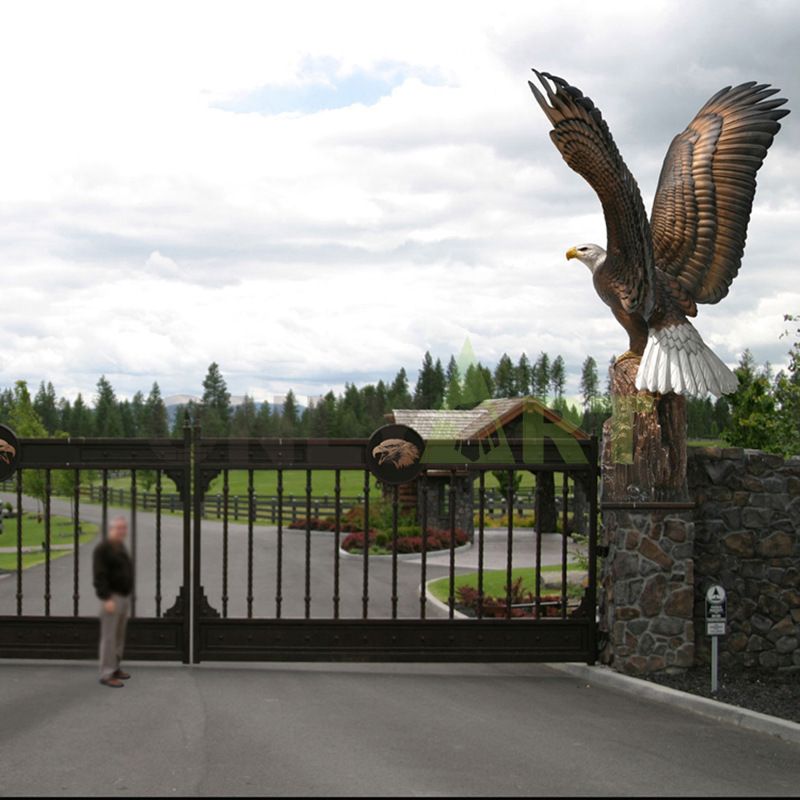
[7,452]
[398,452]
[654,272]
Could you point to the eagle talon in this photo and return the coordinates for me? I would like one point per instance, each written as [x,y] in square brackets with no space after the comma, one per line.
[626,355]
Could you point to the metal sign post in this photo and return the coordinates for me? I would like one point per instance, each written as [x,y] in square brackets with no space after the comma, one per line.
[716,623]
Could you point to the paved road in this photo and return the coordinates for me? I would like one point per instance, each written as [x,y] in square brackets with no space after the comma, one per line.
[353,730]
[264,570]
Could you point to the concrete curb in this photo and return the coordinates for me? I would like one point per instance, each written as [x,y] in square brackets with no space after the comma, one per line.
[407,556]
[437,603]
[721,712]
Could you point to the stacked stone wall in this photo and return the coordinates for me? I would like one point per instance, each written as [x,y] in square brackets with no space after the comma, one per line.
[747,538]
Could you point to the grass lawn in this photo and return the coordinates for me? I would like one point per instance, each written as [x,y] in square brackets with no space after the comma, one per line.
[294,483]
[61,532]
[266,482]
[494,582]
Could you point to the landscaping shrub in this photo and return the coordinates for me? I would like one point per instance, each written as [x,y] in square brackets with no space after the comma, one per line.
[469,599]
[437,539]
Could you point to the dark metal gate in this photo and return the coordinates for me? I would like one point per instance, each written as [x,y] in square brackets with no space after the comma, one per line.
[283,593]
[213,588]
[50,610]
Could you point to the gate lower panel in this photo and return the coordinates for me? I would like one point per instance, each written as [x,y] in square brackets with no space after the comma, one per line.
[71,637]
[394,640]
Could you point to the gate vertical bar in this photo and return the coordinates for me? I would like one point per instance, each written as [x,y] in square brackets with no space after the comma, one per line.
[104,500]
[365,594]
[591,591]
[451,585]
[538,533]
[225,500]
[510,542]
[307,598]
[158,543]
[279,554]
[250,491]
[191,542]
[76,540]
[133,541]
[481,526]
[395,493]
[423,589]
[337,491]
[19,543]
[47,540]
[564,521]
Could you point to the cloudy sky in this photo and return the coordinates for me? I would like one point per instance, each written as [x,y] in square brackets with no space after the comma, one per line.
[310,194]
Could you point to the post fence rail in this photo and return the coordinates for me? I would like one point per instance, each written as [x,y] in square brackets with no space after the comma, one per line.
[267,507]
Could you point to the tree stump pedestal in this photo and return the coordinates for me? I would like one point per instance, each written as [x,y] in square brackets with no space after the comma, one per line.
[647,578]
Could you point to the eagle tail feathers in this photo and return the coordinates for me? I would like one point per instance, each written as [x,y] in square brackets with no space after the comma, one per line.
[676,359]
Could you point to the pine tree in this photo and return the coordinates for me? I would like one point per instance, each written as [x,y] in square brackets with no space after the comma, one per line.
[215,405]
[453,394]
[439,384]
[787,397]
[488,380]
[243,422]
[6,403]
[155,420]
[323,417]
[429,391]
[64,415]
[290,415]
[265,420]
[399,394]
[541,377]
[81,419]
[505,378]
[45,403]
[184,414]
[589,390]
[523,388]
[24,421]
[127,419]
[476,389]
[558,377]
[752,422]
[107,420]
[138,413]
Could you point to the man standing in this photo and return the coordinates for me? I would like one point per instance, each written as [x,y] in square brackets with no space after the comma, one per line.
[113,582]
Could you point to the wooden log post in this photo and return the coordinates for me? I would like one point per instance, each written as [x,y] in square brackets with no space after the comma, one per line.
[646,601]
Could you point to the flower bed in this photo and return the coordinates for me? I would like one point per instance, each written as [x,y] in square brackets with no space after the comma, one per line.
[409,537]
[495,607]
[380,542]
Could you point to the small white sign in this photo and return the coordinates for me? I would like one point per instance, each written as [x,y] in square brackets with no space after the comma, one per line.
[715,628]
[716,595]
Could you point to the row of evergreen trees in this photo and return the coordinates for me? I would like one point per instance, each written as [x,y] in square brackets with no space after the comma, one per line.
[354,413]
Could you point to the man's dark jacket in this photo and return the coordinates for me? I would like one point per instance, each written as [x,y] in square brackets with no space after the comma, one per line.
[113,570]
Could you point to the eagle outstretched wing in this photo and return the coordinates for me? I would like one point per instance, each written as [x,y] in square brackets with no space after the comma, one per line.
[706,188]
[582,136]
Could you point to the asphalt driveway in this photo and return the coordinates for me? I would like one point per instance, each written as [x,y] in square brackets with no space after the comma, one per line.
[358,730]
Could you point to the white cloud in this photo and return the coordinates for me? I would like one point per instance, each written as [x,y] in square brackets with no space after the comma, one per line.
[145,231]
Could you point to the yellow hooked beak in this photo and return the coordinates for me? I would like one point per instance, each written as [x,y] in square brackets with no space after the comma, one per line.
[572,253]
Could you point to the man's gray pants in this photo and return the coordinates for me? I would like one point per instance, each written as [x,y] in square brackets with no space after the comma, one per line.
[112,635]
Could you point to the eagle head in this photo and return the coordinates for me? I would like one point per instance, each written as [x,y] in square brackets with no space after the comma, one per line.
[590,254]
[7,451]
[398,452]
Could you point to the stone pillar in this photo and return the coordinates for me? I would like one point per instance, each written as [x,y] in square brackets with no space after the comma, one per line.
[647,584]
[438,497]
[647,598]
